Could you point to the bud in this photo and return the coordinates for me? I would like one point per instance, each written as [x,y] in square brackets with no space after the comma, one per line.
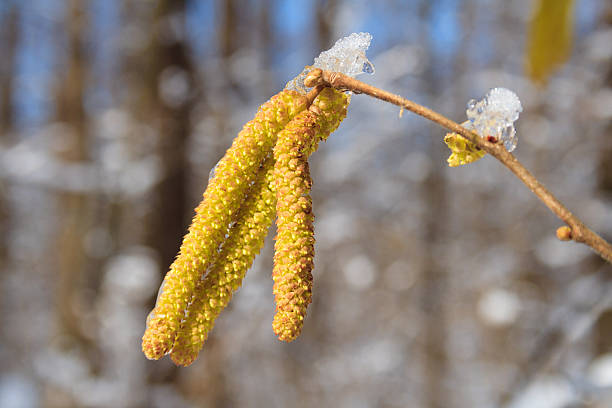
[313,77]
[564,233]
[462,150]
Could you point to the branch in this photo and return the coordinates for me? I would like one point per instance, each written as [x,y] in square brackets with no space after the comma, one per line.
[578,231]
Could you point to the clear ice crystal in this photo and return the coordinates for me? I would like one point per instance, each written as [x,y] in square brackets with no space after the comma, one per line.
[494,115]
[152,314]
[348,56]
[212,172]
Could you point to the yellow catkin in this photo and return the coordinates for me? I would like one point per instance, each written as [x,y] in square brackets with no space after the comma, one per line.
[213,293]
[246,238]
[222,199]
[330,108]
[294,246]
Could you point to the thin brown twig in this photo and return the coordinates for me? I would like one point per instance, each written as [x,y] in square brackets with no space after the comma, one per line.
[579,232]
[313,93]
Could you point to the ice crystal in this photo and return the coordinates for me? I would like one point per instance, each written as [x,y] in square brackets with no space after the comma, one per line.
[213,171]
[494,115]
[348,56]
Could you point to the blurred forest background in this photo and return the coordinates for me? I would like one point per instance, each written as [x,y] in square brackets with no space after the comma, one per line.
[434,287]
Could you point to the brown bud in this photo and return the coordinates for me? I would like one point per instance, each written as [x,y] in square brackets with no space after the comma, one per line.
[564,233]
[313,77]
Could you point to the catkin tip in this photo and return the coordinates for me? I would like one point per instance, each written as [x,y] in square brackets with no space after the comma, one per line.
[153,349]
[183,359]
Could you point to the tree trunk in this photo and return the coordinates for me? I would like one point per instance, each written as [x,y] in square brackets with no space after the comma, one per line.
[163,83]
[435,281]
[75,207]
[9,40]
[325,14]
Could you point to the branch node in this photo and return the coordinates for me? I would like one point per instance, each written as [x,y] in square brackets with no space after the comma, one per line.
[313,78]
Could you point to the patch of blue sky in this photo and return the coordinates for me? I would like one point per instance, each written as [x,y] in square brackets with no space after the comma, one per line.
[445,33]
[103,51]
[201,26]
[587,13]
[292,23]
[36,59]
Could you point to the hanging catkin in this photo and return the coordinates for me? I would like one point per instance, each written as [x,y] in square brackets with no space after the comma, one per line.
[246,238]
[223,197]
[294,246]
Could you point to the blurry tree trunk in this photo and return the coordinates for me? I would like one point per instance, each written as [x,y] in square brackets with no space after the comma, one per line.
[229,39]
[434,281]
[605,164]
[9,36]
[325,15]
[74,206]
[163,83]
[603,328]
[228,43]
[9,39]
[267,45]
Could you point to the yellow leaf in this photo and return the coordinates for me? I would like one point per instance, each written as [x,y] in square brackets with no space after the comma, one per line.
[463,151]
[550,37]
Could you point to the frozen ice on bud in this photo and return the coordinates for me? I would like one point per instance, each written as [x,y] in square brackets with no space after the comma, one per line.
[505,102]
[347,56]
[471,106]
[368,68]
[492,118]
[494,115]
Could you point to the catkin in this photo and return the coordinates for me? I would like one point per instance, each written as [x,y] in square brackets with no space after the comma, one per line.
[294,246]
[246,238]
[222,199]
[213,293]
